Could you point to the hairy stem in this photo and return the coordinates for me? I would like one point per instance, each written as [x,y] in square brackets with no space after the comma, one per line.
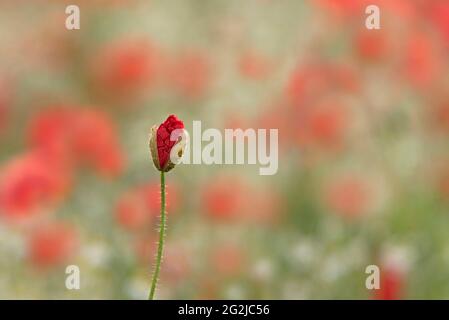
[161,240]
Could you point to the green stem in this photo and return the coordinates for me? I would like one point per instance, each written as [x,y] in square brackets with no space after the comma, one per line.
[161,240]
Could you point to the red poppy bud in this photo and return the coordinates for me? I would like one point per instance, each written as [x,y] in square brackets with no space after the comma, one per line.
[167,143]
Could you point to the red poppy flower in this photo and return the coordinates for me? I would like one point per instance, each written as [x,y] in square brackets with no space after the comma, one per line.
[125,67]
[52,244]
[29,184]
[167,143]
[228,198]
[311,81]
[372,45]
[349,196]
[190,74]
[422,60]
[391,284]
[138,207]
[145,247]
[223,199]
[177,264]
[78,137]
[439,16]
[254,66]
[227,259]
[324,125]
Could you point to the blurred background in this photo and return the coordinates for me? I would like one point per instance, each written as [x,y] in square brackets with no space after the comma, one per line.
[363,119]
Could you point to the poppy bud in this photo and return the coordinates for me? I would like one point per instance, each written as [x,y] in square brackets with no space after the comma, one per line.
[167,143]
